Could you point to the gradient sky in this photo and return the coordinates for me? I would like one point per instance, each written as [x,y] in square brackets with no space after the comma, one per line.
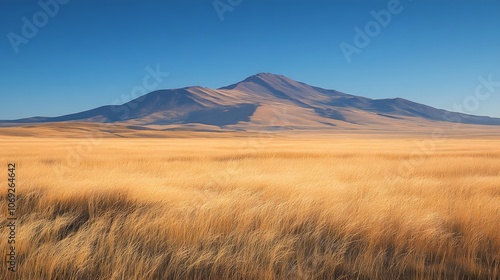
[90,53]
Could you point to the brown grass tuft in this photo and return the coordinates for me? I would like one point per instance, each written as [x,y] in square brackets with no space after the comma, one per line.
[284,209]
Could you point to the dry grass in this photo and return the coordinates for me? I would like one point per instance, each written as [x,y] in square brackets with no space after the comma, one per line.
[254,209]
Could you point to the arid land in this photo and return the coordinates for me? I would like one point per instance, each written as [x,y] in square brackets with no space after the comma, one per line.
[253,206]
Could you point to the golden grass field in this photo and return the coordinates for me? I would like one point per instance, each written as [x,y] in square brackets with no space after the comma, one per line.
[254,208]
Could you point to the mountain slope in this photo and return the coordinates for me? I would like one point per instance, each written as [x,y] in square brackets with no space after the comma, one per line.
[265,101]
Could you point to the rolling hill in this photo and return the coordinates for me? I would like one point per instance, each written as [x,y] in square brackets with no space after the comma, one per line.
[263,102]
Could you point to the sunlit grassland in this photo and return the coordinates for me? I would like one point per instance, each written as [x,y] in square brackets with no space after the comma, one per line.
[254,208]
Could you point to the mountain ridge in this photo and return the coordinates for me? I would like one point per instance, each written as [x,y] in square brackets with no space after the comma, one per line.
[261,102]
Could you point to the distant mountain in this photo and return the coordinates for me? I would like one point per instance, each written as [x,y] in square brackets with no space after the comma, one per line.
[265,101]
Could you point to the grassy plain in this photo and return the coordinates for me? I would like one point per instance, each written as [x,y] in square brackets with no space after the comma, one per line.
[254,208]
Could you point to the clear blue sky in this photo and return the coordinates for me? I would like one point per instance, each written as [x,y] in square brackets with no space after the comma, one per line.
[92,52]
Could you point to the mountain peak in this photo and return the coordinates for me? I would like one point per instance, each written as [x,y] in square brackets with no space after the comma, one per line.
[269,77]
[252,103]
[264,75]
[262,78]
